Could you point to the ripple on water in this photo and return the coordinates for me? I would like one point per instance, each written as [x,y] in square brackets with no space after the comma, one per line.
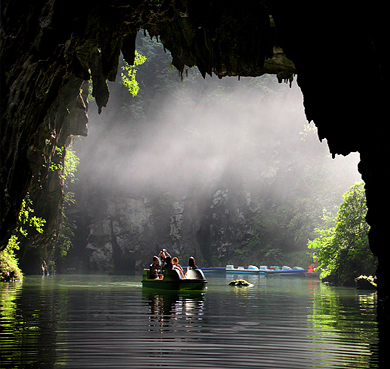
[114,324]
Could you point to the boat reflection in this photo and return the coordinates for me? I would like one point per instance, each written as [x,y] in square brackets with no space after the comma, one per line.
[171,311]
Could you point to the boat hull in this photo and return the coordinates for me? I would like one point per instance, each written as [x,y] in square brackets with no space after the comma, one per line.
[230,269]
[173,282]
[286,273]
[242,271]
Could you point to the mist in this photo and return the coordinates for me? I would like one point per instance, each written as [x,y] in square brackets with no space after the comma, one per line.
[199,130]
[221,169]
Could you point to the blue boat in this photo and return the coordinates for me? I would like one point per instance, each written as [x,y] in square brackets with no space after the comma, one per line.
[214,269]
[286,271]
[241,270]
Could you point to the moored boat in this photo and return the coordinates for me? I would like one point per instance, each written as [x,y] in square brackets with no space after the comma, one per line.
[195,280]
[286,271]
[241,270]
[213,269]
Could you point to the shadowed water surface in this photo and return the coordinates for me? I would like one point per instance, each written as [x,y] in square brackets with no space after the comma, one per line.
[111,322]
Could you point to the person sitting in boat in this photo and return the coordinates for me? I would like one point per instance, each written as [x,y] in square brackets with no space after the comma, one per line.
[177,266]
[154,269]
[192,264]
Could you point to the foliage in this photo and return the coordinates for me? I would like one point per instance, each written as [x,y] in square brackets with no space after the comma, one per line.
[64,241]
[59,152]
[368,278]
[8,259]
[129,71]
[342,249]
[71,163]
[27,219]
[280,232]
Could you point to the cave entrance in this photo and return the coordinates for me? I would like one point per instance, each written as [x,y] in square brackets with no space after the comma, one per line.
[214,168]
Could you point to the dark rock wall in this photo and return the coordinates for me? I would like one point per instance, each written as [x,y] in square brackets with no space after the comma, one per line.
[332,50]
[49,47]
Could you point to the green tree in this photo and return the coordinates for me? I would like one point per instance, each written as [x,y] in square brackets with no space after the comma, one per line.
[129,71]
[64,241]
[342,249]
[26,221]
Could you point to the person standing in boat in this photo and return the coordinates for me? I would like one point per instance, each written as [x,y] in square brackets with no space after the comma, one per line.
[154,268]
[164,254]
[177,266]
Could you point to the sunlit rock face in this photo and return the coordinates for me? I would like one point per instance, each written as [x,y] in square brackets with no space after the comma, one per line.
[49,49]
[129,231]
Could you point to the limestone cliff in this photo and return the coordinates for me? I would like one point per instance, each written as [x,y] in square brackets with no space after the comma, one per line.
[132,230]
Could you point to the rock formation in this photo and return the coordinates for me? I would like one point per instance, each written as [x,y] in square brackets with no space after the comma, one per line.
[49,48]
[128,231]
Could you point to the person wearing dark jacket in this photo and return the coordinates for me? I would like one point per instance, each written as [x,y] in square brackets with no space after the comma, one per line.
[168,263]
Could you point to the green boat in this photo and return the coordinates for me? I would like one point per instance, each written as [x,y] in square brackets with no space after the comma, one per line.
[171,281]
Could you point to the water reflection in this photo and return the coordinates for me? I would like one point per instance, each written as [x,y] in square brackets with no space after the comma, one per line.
[172,310]
[346,320]
[8,294]
[28,319]
[111,322]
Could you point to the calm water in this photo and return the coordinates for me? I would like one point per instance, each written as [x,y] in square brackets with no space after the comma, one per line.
[110,322]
